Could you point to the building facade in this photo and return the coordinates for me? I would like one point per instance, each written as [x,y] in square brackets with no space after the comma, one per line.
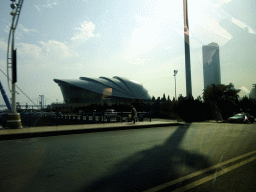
[101,90]
[252,94]
[211,64]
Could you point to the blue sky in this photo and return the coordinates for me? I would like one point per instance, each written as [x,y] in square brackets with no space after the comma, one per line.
[142,40]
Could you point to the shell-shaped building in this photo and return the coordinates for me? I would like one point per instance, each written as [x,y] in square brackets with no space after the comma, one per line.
[101,90]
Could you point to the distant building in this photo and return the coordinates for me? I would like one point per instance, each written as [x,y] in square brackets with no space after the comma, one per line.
[252,94]
[211,64]
[101,90]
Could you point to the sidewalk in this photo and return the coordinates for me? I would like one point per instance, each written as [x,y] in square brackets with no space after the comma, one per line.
[9,134]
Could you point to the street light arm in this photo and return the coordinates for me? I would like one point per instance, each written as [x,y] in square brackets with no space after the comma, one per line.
[17,12]
[8,57]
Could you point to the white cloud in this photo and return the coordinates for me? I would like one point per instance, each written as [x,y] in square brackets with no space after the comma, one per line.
[86,31]
[49,4]
[20,31]
[56,48]
[51,50]
[31,50]
[244,89]
[26,30]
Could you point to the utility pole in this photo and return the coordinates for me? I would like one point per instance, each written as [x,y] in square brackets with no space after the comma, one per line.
[42,101]
[13,120]
[187,51]
[175,73]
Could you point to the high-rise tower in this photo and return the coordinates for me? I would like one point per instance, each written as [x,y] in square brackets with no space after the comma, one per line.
[211,64]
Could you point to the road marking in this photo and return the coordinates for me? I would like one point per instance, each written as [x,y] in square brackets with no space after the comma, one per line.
[217,170]
[212,176]
[165,185]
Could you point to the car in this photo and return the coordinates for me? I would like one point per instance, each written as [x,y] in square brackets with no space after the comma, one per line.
[110,113]
[240,118]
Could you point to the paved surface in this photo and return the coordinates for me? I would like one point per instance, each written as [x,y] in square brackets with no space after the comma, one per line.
[7,134]
[203,157]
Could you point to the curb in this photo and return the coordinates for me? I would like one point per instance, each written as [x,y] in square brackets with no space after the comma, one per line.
[24,135]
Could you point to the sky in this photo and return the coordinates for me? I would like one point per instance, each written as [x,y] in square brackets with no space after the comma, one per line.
[142,40]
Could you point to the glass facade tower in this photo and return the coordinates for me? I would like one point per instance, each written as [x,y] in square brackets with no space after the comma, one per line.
[211,64]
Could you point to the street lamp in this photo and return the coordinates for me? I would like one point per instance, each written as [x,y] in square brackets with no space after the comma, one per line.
[42,101]
[13,120]
[175,73]
[187,51]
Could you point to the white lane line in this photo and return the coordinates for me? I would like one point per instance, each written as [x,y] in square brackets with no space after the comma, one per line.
[212,176]
[165,185]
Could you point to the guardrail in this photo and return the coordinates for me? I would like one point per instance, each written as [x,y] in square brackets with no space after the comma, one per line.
[43,119]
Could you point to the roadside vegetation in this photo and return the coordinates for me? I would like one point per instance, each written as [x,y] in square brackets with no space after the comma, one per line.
[218,102]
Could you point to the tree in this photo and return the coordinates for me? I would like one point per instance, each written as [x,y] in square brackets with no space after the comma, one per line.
[248,105]
[222,99]
[164,98]
[181,98]
[220,92]
[199,98]
[168,98]
[153,98]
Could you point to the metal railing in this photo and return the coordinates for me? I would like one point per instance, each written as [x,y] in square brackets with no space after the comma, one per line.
[53,119]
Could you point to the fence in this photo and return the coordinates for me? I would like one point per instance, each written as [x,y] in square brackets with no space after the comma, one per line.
[44,119]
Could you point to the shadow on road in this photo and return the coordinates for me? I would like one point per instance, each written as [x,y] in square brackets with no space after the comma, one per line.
[152,167]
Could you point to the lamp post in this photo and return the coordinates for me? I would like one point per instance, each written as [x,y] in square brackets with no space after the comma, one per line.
[42,101]
[187,51]
[13,120]
[175,73]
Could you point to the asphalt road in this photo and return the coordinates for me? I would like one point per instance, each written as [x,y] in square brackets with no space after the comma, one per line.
[196,157]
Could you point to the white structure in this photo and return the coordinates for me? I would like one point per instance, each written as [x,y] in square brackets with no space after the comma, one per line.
[101,90]
[211,64]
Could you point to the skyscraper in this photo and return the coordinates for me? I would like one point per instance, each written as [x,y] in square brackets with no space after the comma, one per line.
[211,64]
[253,92]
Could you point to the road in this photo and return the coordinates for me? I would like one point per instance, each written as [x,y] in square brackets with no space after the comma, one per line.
[222,155]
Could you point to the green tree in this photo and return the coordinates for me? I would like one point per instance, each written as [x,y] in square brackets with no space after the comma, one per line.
[222,99]
[181,98]
[220,92]
[199,98]
[164,98]
[248,105]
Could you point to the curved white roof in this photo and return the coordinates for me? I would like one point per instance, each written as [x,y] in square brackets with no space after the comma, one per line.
[121,87]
